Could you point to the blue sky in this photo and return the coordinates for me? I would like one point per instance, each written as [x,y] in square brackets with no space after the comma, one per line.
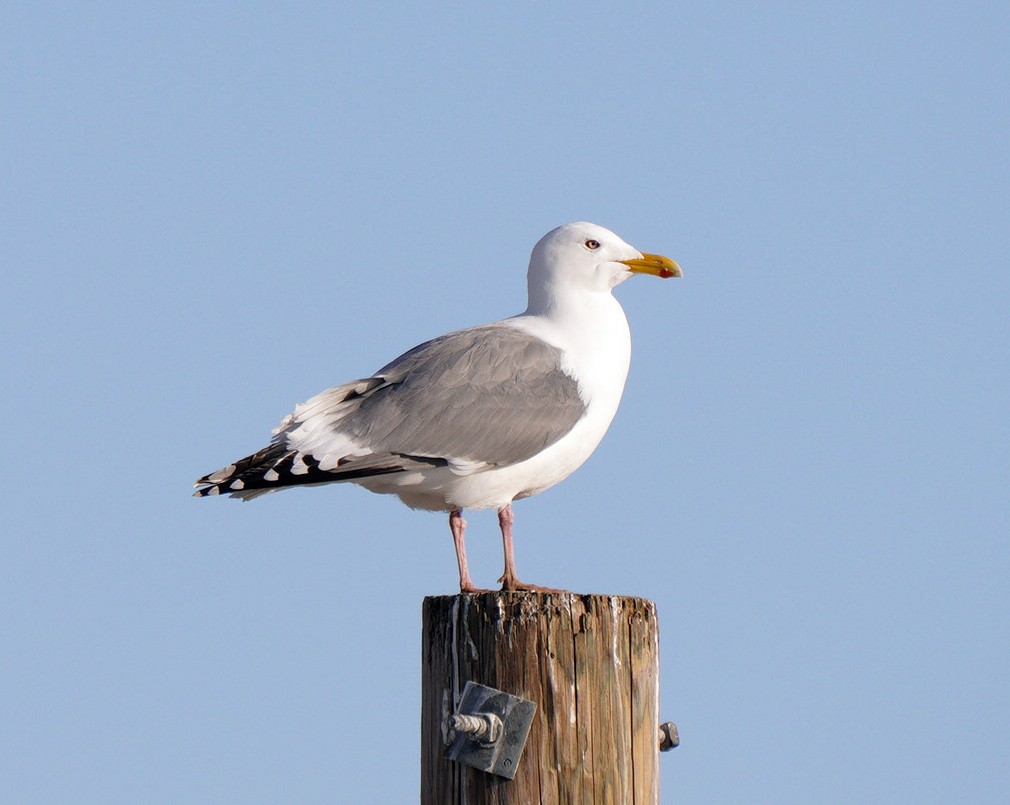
[213,211]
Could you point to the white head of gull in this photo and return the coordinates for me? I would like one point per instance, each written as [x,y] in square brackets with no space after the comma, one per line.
[480,417]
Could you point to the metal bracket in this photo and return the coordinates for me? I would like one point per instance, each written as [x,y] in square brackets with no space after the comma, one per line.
[489,730]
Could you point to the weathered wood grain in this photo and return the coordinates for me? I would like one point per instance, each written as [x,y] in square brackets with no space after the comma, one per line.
[591,664]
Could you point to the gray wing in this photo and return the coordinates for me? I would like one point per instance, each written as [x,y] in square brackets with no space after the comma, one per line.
[491,394]
[487,396]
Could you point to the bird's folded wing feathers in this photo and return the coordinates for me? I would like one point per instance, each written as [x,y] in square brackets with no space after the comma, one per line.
[484,397]
[487,396]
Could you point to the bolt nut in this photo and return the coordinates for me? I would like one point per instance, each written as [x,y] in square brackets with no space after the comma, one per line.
[669,738]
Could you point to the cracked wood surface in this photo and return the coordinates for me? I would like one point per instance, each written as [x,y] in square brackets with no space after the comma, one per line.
[591,664]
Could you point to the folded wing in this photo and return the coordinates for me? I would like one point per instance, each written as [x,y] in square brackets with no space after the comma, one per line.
[471,400]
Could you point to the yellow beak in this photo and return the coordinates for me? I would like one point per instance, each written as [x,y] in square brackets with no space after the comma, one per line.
[654,264]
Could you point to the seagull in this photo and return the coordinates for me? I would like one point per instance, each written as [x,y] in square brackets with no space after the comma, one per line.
[477,418]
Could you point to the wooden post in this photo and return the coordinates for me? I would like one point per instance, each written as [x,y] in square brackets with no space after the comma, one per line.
[591,665]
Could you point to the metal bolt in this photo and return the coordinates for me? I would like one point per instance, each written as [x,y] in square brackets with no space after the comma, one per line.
[668,736]
[484,727]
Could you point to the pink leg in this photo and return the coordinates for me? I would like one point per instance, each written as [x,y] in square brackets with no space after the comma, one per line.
[506,518]
[458,526]
[509,580]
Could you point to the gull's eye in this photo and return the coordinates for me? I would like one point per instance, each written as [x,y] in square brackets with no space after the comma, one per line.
[592,245]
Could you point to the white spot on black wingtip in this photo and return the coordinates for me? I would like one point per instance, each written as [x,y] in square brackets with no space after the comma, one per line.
[221,475]
[271,475]
[214,490]
[239,484]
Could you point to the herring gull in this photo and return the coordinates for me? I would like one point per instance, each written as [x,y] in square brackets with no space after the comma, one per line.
[480,417]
